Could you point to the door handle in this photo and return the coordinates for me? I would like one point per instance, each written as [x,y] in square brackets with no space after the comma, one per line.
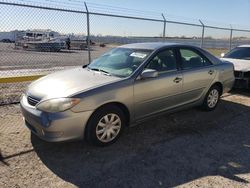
[210,72]
[177,79]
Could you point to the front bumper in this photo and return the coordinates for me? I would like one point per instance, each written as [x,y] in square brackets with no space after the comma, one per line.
[54,127]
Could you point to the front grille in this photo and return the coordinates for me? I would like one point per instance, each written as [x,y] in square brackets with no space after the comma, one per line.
[240,74]
[237,74]
[247,74]
[32,101]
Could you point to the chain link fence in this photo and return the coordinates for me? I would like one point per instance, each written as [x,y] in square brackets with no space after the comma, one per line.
[39,37]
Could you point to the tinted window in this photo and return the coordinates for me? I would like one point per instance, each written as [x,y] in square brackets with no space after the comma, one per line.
[191,59]
[163,61]
[239,53]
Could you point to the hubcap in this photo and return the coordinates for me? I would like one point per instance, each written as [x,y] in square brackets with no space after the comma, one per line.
[213,98]
[108,127]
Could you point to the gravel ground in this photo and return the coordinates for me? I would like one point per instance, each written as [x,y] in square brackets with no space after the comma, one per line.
[186,149]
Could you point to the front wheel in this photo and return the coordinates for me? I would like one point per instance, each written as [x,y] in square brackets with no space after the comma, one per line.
[212,98]
[105,125]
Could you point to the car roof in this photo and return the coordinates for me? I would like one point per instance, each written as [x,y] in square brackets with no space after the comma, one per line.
[244,46]
[149,45]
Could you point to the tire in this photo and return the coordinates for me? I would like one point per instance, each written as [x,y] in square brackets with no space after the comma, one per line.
[100,131]
[212,98]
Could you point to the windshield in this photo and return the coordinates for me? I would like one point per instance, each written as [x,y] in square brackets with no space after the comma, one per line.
[120,62]
[239,53]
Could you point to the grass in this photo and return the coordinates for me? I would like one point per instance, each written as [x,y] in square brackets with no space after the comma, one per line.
[217,51]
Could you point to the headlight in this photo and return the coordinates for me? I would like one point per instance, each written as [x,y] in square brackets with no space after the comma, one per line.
[57,105]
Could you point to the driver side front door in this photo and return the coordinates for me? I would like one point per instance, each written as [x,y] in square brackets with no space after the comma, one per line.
[154,95]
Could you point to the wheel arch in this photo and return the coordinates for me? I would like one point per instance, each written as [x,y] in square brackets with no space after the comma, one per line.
[122,106]
[87,134]
[220,85]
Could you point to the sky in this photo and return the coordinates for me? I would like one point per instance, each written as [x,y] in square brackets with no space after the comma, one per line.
[213,12]
[218,11]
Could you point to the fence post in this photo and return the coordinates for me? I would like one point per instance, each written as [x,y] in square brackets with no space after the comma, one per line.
[88,32]
[203,31]
[231,38]
[164,27]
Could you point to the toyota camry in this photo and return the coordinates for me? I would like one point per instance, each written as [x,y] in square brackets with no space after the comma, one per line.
[123,87]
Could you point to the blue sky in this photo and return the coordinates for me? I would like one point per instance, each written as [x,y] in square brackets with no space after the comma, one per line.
[219,13]
[215,11]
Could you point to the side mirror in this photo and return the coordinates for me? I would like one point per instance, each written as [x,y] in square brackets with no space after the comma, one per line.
[149,73]
[222,54]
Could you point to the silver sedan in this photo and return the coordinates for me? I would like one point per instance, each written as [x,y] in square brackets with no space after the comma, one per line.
[124,86]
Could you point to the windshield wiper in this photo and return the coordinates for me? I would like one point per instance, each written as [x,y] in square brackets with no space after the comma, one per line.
[84,66]
[100,70]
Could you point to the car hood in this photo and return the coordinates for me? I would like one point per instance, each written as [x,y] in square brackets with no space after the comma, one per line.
[239,64]
[68,82]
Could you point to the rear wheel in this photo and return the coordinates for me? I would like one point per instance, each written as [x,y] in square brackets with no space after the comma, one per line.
[105,125]
[212,98]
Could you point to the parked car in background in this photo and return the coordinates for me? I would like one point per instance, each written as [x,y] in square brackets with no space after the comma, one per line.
[123,87]
[240,57]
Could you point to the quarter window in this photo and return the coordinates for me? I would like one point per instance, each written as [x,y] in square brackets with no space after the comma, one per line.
[163,61]
[191,59]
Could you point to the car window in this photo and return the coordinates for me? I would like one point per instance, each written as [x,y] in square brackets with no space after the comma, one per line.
[191,59]
[239,53]
[163,61]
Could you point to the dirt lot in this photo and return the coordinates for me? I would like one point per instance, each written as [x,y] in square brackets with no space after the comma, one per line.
[186,149]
